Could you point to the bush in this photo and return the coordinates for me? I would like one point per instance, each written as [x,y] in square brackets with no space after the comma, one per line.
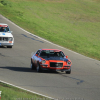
[5,3]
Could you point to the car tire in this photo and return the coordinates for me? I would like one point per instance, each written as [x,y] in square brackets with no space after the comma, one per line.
[38,68]
[68,72]
[32,65]
[9,46]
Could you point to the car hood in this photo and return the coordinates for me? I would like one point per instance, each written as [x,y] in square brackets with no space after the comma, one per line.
[5,34]
[56,58]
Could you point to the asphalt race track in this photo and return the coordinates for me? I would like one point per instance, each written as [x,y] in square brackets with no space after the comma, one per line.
[82,84]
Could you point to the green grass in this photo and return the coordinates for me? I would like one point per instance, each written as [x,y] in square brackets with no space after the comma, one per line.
[73,24]
[13,93]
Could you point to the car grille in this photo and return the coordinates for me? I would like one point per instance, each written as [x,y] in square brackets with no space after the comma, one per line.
[4,38]
[56,64]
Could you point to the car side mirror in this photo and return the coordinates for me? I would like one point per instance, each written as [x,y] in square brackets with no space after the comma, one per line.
[66,56]
[36,54]
[10,31]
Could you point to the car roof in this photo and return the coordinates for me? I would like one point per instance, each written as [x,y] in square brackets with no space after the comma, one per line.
[51,49]
[3,25]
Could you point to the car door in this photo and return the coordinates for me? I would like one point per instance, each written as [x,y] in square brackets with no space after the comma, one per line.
[35,59]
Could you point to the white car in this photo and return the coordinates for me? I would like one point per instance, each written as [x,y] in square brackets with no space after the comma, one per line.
[6,37]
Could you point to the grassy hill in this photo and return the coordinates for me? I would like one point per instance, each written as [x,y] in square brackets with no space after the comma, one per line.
[73,24]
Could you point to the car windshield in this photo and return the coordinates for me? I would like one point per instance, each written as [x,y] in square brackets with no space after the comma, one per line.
[4,29]
[51,53]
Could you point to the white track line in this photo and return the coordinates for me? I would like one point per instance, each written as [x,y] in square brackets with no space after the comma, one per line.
[41,39]
[45,39]
[27,90]
[18,86]
[37,36]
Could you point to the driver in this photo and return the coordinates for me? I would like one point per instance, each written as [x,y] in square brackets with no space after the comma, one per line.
[3,29]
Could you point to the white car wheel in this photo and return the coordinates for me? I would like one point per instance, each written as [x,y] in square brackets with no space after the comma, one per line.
[9,46]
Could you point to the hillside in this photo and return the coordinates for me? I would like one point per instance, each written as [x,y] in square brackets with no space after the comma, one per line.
[73,24]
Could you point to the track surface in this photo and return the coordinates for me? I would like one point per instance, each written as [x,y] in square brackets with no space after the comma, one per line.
[82,84]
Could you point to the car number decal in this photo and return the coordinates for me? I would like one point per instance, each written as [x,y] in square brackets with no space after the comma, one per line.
[3,33]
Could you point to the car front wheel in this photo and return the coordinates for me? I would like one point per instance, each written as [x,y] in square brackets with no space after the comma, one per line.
[32,65]
[68,72]
[38,68]
[9,46]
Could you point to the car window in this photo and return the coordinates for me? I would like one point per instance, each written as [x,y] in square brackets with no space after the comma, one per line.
[43,54]
[51,53]
[7,28]
[4,29]
[38,52]
[62,54]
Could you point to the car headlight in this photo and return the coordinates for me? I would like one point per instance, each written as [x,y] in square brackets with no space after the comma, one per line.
[68,62]
[10,39]
[43,61]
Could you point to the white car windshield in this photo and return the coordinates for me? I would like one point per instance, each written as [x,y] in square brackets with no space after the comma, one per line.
[4,29]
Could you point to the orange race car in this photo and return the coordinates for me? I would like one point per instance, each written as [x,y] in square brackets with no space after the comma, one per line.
[50,59]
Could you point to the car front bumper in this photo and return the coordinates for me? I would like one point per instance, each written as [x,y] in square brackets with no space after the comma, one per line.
[68,68]
[6,44]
